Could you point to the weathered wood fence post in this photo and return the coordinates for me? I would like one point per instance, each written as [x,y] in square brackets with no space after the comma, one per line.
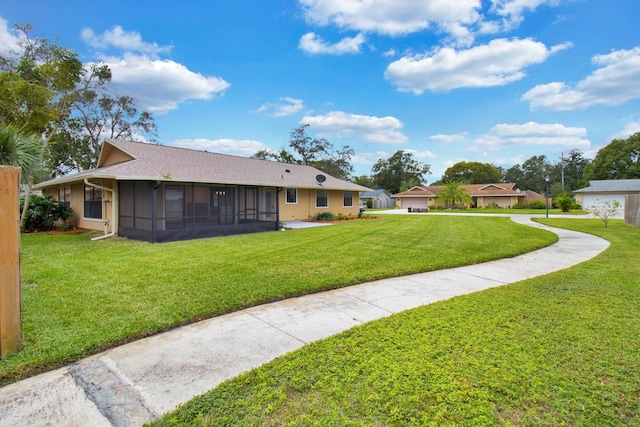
[10,296]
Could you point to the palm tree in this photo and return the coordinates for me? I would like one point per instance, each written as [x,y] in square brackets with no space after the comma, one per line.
[26,152]
[452,193]
[22,151]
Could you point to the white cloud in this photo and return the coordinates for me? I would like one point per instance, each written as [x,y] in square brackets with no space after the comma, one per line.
[286,107]
[384,130]
[129,41]
[8,37]
[315,45]
[532,133]
[448,139]
[627,131]
[421,155]
[614,83]
[510,12]
[497,63]
[392,17]
[369,158]
[237,147]
[160,85]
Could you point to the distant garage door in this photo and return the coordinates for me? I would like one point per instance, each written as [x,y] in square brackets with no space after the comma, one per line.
[415,203]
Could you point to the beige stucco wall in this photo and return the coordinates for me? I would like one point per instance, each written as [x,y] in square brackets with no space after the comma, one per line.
[500,201]
[305,208]
[77,204]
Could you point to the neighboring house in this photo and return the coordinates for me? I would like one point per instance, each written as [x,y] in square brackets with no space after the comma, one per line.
[159,193]
[378,199]
[600,192]
[503,195]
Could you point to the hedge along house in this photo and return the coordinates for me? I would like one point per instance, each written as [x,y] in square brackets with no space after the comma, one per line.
[159,193]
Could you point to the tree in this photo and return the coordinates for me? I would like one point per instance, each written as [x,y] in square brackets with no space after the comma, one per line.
[318,153]
[574,166]
[620,159]
[454,193]
[39,85]
[390,173]
[365,181]
[531,175]
[77,145]
[473,173]
[605,210]
[22,151]
[45,90]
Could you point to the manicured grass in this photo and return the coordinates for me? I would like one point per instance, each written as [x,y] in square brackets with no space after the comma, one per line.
[561,349]
[514,211]
[80,297]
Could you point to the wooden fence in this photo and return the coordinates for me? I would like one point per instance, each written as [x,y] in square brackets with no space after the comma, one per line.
[632,210]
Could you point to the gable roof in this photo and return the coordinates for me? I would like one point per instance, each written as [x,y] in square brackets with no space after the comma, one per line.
[611,185]
[494,189]
[374,193]
[128,160]
[418,191]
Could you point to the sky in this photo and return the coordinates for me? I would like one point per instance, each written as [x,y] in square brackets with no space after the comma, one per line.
[494,81]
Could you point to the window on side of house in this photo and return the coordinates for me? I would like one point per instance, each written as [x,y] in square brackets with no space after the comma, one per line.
[292,196]
[348,199]
[64,196]
[322,199]
[92,202]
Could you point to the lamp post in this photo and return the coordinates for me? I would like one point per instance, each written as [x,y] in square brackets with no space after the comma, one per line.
[546,194]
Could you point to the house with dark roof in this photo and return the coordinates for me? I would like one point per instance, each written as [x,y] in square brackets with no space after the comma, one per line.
[606,191]
[503,195]
[160,193]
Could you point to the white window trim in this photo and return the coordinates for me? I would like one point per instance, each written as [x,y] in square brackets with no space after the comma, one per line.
[286,202]
[343,194]
[322,207]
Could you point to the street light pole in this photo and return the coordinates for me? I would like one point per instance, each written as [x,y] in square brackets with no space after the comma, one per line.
[546,194]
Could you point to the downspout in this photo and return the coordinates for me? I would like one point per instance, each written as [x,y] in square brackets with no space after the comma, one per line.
[278,191]
[113,210]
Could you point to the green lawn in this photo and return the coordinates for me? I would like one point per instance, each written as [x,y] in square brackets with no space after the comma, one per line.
[561,349]
[80,297]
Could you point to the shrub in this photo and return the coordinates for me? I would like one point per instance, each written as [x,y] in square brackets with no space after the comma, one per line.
[324,216]
[565,202]
[519,206]
[43,213]
[537,204]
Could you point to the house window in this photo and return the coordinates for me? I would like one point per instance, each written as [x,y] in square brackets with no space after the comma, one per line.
[348,199]
[64,196]
[322,201]
[92,202]
[292,196]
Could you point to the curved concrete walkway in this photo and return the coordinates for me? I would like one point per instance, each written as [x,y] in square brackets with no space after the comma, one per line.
[138,382]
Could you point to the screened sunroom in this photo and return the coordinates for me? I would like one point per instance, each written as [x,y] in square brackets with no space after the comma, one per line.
[157,211]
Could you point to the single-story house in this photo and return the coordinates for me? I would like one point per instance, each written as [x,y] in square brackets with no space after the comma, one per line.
[503,195]
[378,199]
[160,193]
[600,192]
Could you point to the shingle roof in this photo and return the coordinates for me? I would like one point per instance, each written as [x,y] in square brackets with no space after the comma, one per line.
[165,163]
[374,193]
[611,185]
[499,189]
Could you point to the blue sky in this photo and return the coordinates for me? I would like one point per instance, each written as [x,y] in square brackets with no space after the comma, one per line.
[494,81]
